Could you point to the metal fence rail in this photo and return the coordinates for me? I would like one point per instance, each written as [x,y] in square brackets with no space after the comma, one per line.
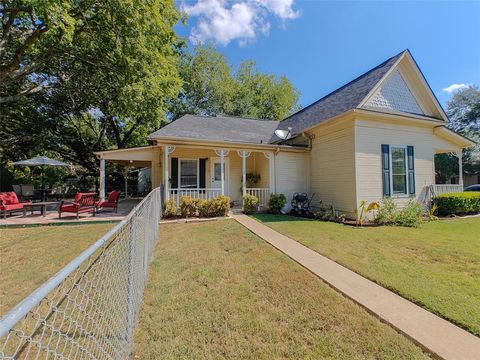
[89,309]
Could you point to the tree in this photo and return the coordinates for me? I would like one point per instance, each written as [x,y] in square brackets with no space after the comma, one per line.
[211,87]
[106,87]
[36,34]
[124,68]
[463,111]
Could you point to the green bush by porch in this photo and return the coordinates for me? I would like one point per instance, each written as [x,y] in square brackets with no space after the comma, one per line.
[458,203]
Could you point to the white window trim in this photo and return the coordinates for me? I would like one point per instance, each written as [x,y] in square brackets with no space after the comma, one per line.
[407,194]
[180,175]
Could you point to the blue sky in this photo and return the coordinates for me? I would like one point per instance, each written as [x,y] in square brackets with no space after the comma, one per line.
[320,45]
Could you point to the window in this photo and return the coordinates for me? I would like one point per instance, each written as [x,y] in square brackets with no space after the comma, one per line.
[217,172]
[188,173]
[398,160]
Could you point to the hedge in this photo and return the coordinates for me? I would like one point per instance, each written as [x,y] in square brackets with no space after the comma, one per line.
[458,203]
[189,207]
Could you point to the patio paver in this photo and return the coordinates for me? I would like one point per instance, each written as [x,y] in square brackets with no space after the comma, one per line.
[51,218]
[433,333]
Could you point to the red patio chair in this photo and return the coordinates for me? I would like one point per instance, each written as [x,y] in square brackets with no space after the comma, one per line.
[9,203]
[83,203]
[111,202]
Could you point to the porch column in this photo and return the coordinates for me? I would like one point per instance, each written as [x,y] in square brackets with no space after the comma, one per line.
[244,155]
[167,151]
[102,179]
[460,168]
[222,153]
[271,172]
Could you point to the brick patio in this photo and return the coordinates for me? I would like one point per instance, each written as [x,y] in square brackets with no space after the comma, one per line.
[17,219]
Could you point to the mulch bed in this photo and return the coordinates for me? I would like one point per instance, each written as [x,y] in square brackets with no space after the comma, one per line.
[366,223]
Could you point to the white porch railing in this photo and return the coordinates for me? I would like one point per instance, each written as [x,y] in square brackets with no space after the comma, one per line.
[447,188]
[263,195]
[205,193]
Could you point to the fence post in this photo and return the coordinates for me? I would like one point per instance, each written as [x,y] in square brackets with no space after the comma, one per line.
[130,280]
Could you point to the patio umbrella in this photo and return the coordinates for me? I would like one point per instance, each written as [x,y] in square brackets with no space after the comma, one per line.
[41,161]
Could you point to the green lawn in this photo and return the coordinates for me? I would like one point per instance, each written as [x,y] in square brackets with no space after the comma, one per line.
[216,291]
[30,256]
[436,265]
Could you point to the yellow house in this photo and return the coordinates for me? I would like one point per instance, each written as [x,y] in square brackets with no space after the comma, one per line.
[373,137]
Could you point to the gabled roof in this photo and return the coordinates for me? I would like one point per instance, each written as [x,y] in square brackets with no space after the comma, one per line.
[347,97]
[396,86]
[219,128]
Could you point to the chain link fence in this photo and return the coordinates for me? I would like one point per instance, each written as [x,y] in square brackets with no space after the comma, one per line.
[90,308]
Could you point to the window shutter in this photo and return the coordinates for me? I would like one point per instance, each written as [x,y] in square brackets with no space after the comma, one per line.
[202,174]
[174,174]
[386,169]
[411,170]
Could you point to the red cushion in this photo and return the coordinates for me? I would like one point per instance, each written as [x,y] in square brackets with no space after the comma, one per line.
[113,196]
[86,209]
[9,198]
[12,207]
[105,204]
[69,208]
[74,208]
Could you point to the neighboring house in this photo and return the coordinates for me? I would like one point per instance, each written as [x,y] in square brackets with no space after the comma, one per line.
[373,137]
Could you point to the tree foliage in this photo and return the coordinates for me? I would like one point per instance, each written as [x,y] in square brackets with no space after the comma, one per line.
[102,69]
[212,87]
[463,111]
[79,76]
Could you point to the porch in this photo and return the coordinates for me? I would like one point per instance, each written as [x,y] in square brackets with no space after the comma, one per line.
[207,172]
[438,189]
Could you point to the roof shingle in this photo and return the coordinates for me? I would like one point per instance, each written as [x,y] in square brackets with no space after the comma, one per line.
[219,128]
[345,98]
[238,129]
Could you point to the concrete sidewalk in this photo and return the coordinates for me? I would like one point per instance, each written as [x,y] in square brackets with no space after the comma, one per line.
[433,333]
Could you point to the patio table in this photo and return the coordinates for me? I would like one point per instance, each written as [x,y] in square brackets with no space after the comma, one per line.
[42,205]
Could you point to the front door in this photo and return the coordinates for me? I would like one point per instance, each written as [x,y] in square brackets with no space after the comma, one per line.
[216,175]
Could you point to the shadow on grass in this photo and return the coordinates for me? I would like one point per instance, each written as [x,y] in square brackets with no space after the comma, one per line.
[268,218]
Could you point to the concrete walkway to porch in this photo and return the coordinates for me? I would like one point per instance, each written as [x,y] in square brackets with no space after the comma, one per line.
[433,333]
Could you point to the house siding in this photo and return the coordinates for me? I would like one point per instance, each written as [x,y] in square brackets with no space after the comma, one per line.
[332,165]
[291,174]
[371,134]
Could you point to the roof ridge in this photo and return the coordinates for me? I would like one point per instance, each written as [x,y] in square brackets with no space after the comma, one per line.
[347,84]
[243,117]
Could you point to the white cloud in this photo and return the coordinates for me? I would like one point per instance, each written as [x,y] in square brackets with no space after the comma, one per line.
[454,87]
[225,21]
[282,8]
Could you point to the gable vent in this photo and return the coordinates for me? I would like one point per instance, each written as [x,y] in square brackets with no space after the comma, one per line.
[394,94]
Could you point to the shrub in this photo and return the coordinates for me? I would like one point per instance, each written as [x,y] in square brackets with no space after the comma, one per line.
[329,214]
[170,208]
[250,204]
[410,215]
[387,212]
[365,209]
[188,206]
[276,203]
[204,208]
[458,203]
[220,205]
